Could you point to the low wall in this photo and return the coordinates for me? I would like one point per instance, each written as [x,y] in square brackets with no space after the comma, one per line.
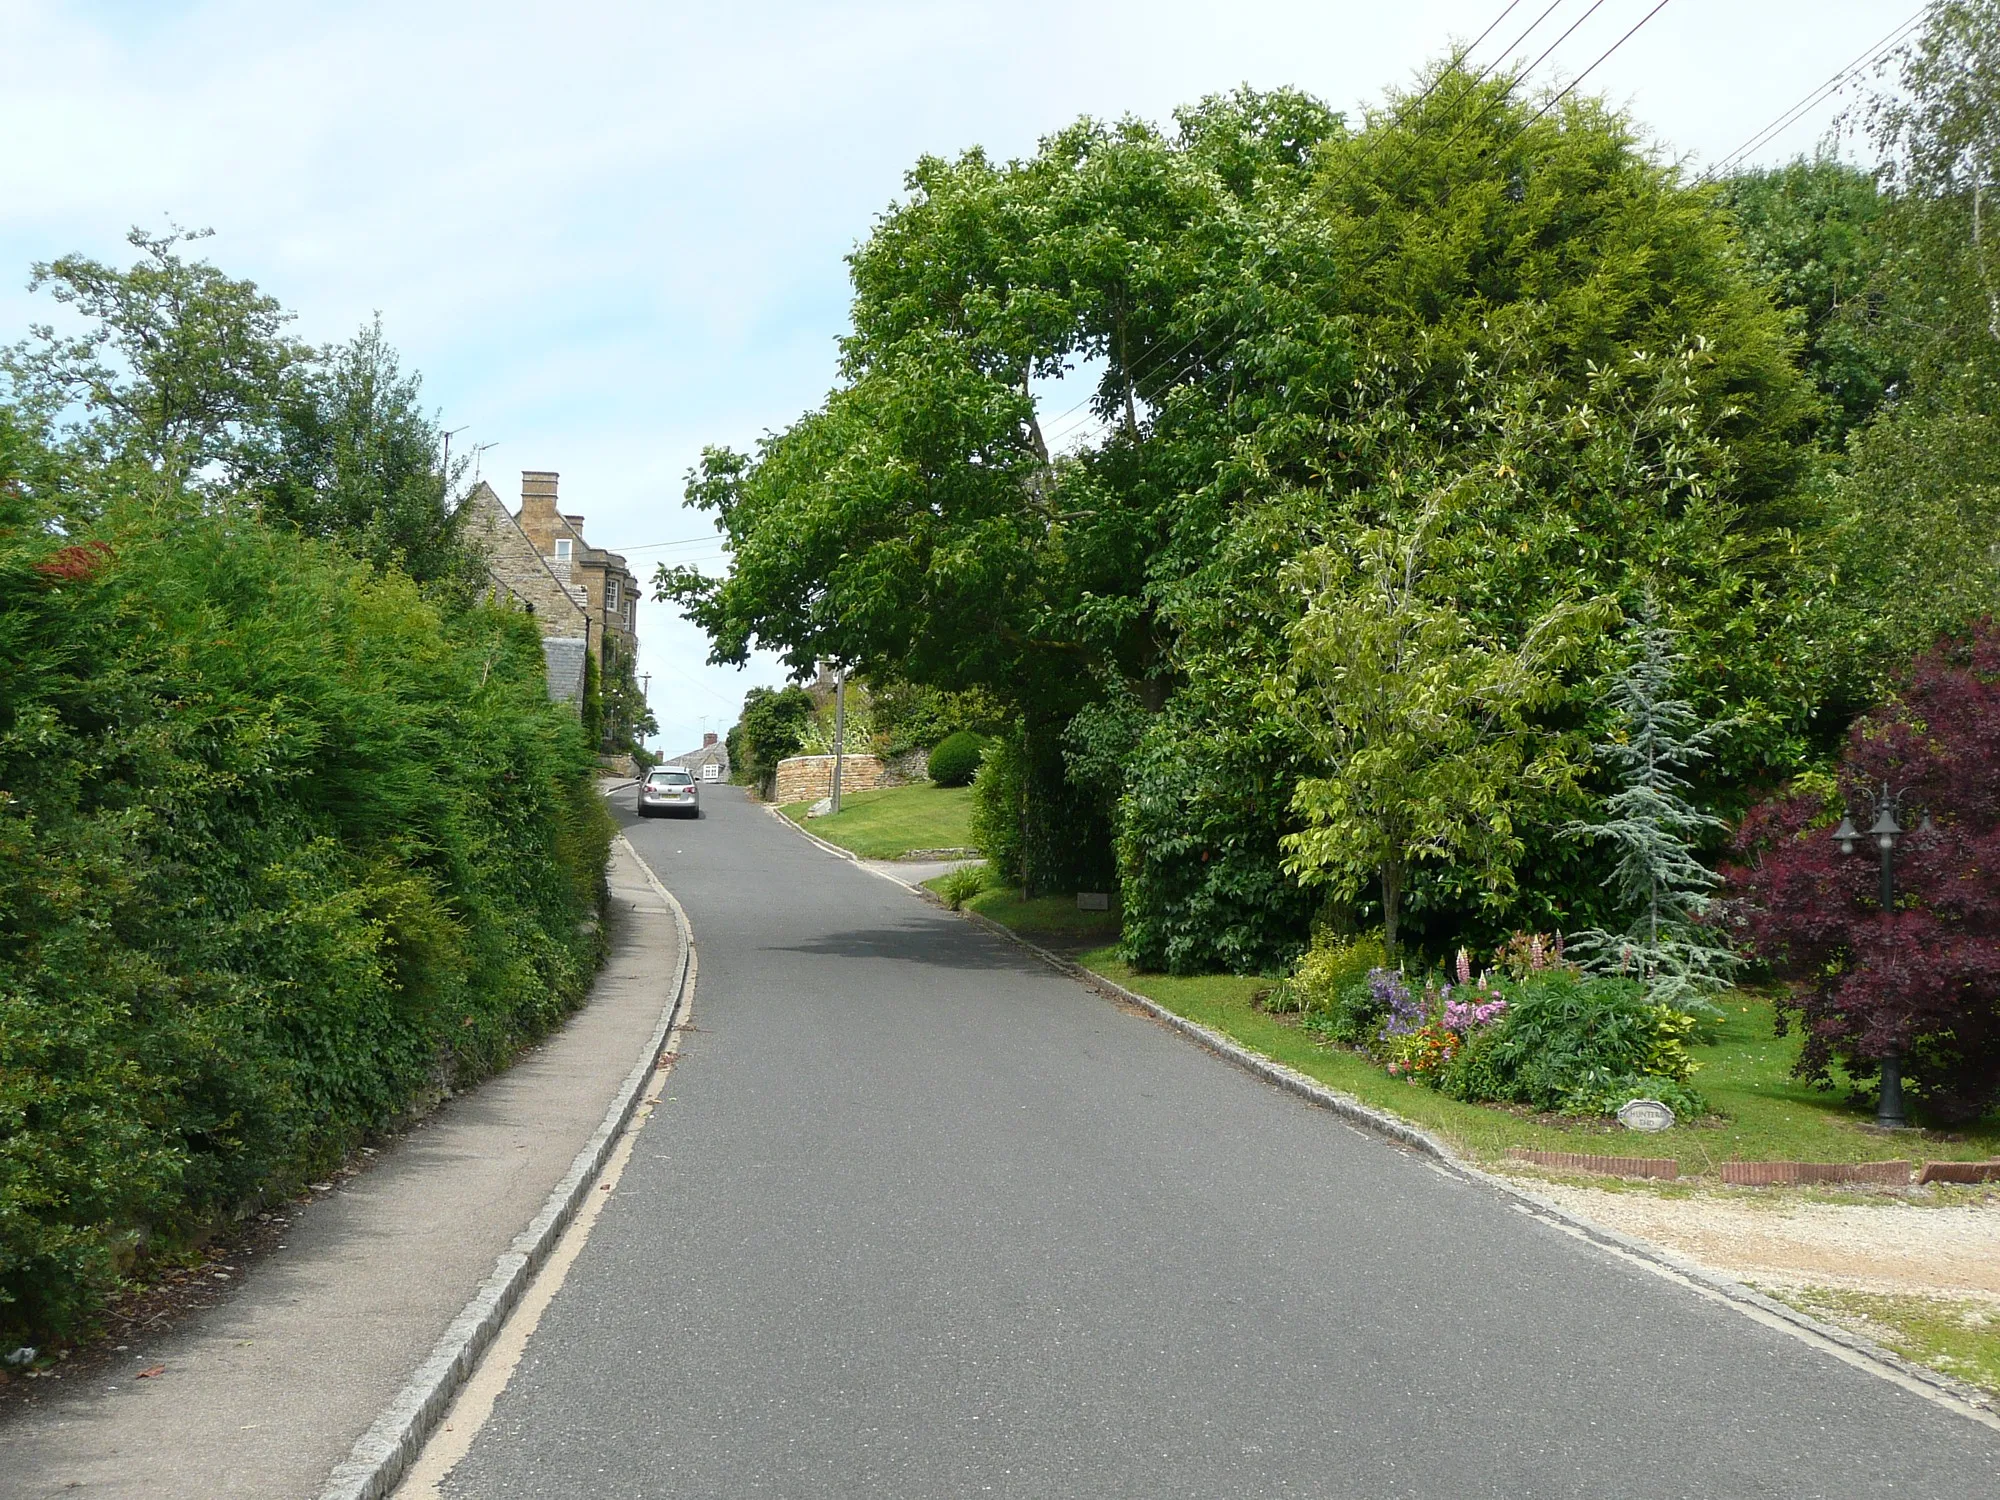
[908,769]
[807,778]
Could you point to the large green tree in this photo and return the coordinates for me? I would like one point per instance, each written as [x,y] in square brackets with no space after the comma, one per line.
[175,369]
[1811,231]
[171,378]
[1919,504]
[351,455]
[1544,323]
[1420,736]
[1303,330]
[918,527]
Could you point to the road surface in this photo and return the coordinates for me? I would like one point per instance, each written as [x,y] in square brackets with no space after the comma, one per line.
[920,1217]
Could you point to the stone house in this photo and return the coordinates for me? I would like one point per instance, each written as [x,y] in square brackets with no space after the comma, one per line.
[610,589]
[713,752]
[518,573]
[584,598]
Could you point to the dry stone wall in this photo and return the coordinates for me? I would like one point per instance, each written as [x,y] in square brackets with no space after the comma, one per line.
[807,778]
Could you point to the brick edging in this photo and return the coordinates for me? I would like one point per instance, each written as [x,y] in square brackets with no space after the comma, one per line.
[1923,1381]
[384,1452]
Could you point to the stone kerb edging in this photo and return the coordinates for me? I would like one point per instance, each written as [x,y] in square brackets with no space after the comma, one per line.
[1918,1379]
[378,1461]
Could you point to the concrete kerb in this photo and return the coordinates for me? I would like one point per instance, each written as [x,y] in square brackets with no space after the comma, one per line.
[384,1452]
[1919,1379]
[847,854]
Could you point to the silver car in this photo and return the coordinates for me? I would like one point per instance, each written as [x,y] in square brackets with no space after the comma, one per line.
[669,791]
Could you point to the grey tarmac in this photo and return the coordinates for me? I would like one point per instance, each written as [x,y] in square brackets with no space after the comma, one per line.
[918,1216]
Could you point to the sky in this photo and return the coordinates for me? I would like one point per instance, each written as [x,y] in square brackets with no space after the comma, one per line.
[608,235]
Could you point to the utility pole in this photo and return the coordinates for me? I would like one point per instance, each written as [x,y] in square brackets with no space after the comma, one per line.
[445,478]
[839,730]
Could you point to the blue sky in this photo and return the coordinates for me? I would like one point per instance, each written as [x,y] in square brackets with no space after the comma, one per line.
[609,234]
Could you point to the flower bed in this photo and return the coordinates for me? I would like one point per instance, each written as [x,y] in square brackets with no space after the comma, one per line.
[1543,1035]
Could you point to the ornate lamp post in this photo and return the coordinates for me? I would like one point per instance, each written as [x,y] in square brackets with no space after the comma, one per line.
[1885,835]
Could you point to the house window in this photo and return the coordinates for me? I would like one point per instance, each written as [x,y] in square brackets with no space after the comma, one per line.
[562,549]
[611,592]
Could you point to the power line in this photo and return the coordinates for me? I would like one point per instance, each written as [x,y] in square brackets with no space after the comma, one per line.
[1576,81]
[686,541]
[1512,84]
[1832,85]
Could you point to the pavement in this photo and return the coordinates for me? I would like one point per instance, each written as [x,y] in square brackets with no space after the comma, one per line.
[919,1216]
[264,1394]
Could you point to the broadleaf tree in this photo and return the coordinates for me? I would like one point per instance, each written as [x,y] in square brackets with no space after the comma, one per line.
[1420,734]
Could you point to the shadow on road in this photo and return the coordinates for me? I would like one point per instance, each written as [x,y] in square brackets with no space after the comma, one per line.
[915,944]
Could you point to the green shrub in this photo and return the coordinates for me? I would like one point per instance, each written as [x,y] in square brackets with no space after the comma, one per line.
[1570,1043]
[1472,1074]
[283,847]
[956,759]
[960,885]
[1330,987]
[1203,886]
[909,716]
[998,792]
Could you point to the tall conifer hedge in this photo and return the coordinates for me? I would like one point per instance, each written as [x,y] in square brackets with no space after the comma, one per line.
[284,848]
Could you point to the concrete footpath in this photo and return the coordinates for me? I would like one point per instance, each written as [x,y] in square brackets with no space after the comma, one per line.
[264,1394]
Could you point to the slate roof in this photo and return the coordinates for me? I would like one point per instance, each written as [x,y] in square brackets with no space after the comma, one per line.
[564,657]
[695,759]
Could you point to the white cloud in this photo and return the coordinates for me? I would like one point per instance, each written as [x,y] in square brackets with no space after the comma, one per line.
[608,234]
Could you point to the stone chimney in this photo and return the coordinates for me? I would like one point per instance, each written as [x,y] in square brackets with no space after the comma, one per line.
[707,740]
[538,496]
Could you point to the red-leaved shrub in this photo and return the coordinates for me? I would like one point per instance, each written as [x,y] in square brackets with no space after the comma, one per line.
[1923,979]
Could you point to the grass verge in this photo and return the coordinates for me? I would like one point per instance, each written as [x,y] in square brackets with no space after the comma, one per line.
[891,821]
[1767,1115]
[1958,1336]
[1042,917]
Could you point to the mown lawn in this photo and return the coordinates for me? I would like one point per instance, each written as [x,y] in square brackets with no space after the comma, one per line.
[891,821]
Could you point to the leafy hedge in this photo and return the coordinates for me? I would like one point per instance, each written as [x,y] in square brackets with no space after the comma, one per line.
[284,848]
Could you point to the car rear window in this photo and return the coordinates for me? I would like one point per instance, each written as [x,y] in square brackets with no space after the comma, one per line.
[673,778]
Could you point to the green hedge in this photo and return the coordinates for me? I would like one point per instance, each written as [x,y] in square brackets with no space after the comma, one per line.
[956,759]
[284,848]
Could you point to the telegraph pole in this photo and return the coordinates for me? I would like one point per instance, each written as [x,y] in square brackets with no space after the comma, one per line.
[839,730]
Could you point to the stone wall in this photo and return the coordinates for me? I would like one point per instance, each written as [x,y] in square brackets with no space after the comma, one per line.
[911,768]
[807,778]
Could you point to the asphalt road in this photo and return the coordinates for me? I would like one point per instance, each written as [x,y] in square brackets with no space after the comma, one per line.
[920,1217]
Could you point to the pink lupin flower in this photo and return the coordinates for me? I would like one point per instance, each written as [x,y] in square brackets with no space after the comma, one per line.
[1464,967]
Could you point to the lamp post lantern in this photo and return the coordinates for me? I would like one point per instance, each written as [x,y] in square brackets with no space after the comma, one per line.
[1885,834]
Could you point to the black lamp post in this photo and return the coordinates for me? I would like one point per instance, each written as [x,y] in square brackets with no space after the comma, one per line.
[1885,835]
